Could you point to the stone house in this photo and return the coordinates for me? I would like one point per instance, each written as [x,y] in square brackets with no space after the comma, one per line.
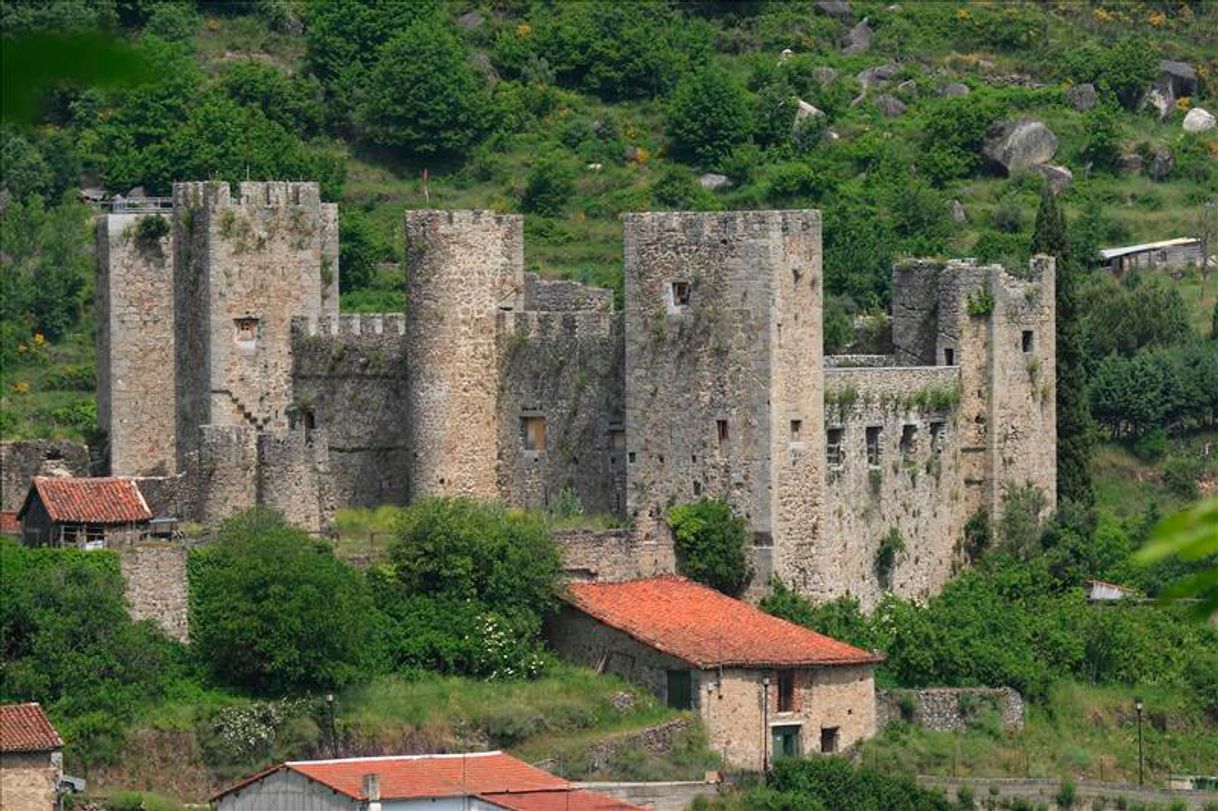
[31,759]
[93,513]
[478,781]
[766,688]
[1176,253]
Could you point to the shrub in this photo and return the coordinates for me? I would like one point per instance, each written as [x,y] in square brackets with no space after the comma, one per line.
[273,610]
[890,548]
[548,187]
[677,188]
[708,116]
[711,544]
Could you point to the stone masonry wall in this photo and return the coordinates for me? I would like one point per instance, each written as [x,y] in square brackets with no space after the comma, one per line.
[950,709]
[156,585]
[701,375]
[463,269]
[612,555]
[22,460]
[566,368]
[226,468]
[560,295]
[350,374]
[916,490]
[135,346]
[29,781]
[294,478]
[329,236]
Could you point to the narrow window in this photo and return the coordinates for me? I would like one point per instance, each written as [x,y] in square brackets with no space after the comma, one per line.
[786,691]
[949,356]
[1162,256]
[909,442]
[828,740]
[680,294]
[833,449]
[630,458]
[763,539]
[533,433]
[680,690]
[873,446]
[247,329]
[617,440]
[796,427]
[721,430]
[936,438]
[1028,340]
[697,488]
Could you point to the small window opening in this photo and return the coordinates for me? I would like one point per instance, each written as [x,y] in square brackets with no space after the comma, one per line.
[617,440]
[936,438]
[796,428]
[680,294]
[721,430]
[697,488]
[1162,256]
[1028,340]
[909,442]
[828,740]
[873,446]
[94,533]
[533,432]
[247,329]
[785,741]
[630,457]
[833,449]
[949,356]
[786,691]
[763,539]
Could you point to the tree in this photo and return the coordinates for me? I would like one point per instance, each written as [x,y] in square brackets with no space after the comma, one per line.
[708,116]
[423,95]
[273,610]
[358,250]
[710,544]
[1073,408]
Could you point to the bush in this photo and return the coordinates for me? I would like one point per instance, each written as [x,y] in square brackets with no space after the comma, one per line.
[548,186]
[273,610]
[708,116]
[837,784]
[711,544]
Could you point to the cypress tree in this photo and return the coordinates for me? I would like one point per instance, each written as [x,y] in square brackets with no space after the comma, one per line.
[1073,409]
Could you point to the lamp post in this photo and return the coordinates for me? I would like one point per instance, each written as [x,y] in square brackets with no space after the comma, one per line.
[765,724]
[1137,705]
[330,723]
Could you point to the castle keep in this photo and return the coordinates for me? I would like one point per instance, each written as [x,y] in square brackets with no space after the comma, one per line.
[226,373]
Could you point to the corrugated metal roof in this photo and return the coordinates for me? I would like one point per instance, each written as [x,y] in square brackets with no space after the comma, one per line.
[1112,253]
[26,728]
[705,628]
[89,501]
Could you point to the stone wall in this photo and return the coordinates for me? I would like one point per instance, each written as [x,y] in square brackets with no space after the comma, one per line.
[560,295]
[349,378]
[156,585]
[22,460]
[1087,793]
[329,271]
[564,368]
[463,269]
[294,477]
[612,555]
[949,709]
[661,795]
[29,781]
[226,468]
[135,346]
[914,489]
[723,337]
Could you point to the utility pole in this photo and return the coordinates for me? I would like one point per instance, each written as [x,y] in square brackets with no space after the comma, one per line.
[1137,705]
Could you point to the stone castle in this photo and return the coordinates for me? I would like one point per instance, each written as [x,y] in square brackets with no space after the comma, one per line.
[227,379]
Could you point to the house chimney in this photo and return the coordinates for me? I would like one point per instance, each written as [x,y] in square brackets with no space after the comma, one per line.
[372,791]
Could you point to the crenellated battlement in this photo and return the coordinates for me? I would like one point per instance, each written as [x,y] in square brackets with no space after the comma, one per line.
[350,324]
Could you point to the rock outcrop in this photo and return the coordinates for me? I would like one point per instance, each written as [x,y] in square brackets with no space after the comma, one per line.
[1019,144]
[859,39]
[1082,96]
[1058,177]
[1199,120]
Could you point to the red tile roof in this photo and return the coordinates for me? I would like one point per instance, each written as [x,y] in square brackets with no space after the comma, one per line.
[26,728]
[484,774]
[705,628]
[89,501]
[9,523]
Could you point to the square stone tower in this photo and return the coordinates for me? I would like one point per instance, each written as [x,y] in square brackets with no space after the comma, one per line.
[724,392]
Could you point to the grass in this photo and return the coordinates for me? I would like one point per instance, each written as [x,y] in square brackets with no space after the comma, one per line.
[33,406]
[1082,732]
[1127,486]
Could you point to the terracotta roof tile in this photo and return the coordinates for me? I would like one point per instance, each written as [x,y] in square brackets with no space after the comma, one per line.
[90,501]
[26,728]
[9,523]
[705,628]
[492,775]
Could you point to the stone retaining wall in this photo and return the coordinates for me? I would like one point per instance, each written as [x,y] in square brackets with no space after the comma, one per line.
[662,796]
[156,585]
[1086,792]
[949,709]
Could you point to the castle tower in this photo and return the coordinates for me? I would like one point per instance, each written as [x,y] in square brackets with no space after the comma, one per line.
[463,269]
[724,391]
[135,343]
[243,269]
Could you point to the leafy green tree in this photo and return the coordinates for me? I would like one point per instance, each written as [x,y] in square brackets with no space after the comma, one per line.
[1070,390]
[359,250]
[708,116]
[423,95]
[953,131]
[273,610]
[711,544]
[293,102]
[841,618]
[473,582]
[548,186]
[1127,68]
